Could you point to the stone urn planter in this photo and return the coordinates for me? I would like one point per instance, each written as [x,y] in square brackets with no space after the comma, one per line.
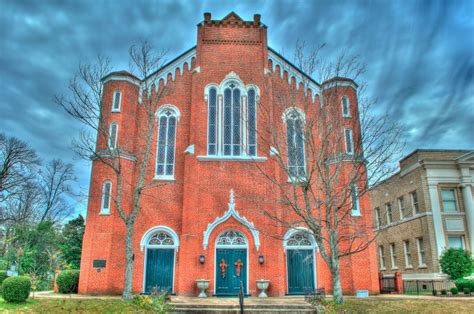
[202,285]
[262,285]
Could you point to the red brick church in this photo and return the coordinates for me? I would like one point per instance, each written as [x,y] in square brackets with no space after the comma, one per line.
[203,222]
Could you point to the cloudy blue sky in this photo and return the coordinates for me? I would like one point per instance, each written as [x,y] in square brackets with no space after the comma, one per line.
[419,57]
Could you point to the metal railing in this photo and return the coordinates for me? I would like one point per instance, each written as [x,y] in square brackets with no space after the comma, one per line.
[426,286]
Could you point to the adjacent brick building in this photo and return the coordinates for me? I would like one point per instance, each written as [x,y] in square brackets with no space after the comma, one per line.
[421,210]
[204,222]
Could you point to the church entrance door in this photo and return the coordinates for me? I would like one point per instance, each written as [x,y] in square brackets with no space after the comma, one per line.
[231,263]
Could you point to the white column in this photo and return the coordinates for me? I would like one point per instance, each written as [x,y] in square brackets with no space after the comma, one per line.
[469,209]
[437,220]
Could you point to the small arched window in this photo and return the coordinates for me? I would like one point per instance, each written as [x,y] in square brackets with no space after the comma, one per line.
[113,135]
[106,197]
[355,211]
[349,141]
[117,101]
[295,141]
[346,112]
[166,144]
[252,122]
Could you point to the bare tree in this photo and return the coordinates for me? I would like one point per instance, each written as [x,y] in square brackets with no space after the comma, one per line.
[17,165]
[55,186]
[87,106]
[325,160]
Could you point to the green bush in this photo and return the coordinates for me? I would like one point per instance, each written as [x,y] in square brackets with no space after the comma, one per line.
[456,263]
[157,302]
[444,292]
[67,281]
[463,284]
[454,291]
[467,291]
[3,276]
[16,289]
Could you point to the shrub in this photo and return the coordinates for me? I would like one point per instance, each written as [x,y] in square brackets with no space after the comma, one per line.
[467,291]
[3,276]
[158,302]
[16,289]
[463,284]
[456,263]
[435,293]
[67,281]
[444,292]
[454,291]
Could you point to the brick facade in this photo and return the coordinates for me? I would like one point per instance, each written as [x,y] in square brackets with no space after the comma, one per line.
[199,192]
[425,172]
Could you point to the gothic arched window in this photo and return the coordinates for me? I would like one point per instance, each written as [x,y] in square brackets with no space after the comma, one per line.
[295,141]
[232,120]
[212,122]
[106,196]
[231,238]
[252,122]
[166,143]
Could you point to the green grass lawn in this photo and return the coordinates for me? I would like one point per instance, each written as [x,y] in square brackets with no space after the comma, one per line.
[351,306]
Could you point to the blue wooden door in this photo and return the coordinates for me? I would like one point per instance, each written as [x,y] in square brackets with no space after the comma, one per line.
[159,270]
[300,270]
[228,281]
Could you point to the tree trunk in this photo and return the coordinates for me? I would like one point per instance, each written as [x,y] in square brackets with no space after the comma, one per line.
[127,291]
[336,280]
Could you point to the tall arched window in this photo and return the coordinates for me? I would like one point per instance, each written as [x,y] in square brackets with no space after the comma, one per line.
[345,107]
[232,120]
[106,196]
[295,141]
[113,135]
[252,122]
[349,141]
[117,101]
[212,122]
[355,201]
[166,143]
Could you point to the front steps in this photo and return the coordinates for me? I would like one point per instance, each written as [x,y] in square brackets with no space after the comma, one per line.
[251,305]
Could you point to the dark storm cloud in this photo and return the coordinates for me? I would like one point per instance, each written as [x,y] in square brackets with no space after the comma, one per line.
[419,56]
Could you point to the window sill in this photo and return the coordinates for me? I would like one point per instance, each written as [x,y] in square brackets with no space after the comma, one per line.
[232,158]
[409,267]
[104,214]
[422,266]
[164,178]
[346,116]
[116,111]
[382,269]
[394,268]
[356,214]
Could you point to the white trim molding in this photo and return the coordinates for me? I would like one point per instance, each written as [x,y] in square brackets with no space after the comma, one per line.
[231,212]
[147,235]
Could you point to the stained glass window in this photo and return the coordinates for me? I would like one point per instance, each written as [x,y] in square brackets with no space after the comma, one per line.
[232,237]
[166,144]
[295,142]
[212,123]
[252,115]
[161,238]
[299,238]
[117,101]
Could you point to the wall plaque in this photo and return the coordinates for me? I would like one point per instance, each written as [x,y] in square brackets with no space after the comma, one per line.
[99,263]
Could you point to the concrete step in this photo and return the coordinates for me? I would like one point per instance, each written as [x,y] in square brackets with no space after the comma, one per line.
[246,306]
[235,311]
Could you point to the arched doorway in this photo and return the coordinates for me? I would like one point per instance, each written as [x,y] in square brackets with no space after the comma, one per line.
[300,261]
[231,263]
[160,244]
